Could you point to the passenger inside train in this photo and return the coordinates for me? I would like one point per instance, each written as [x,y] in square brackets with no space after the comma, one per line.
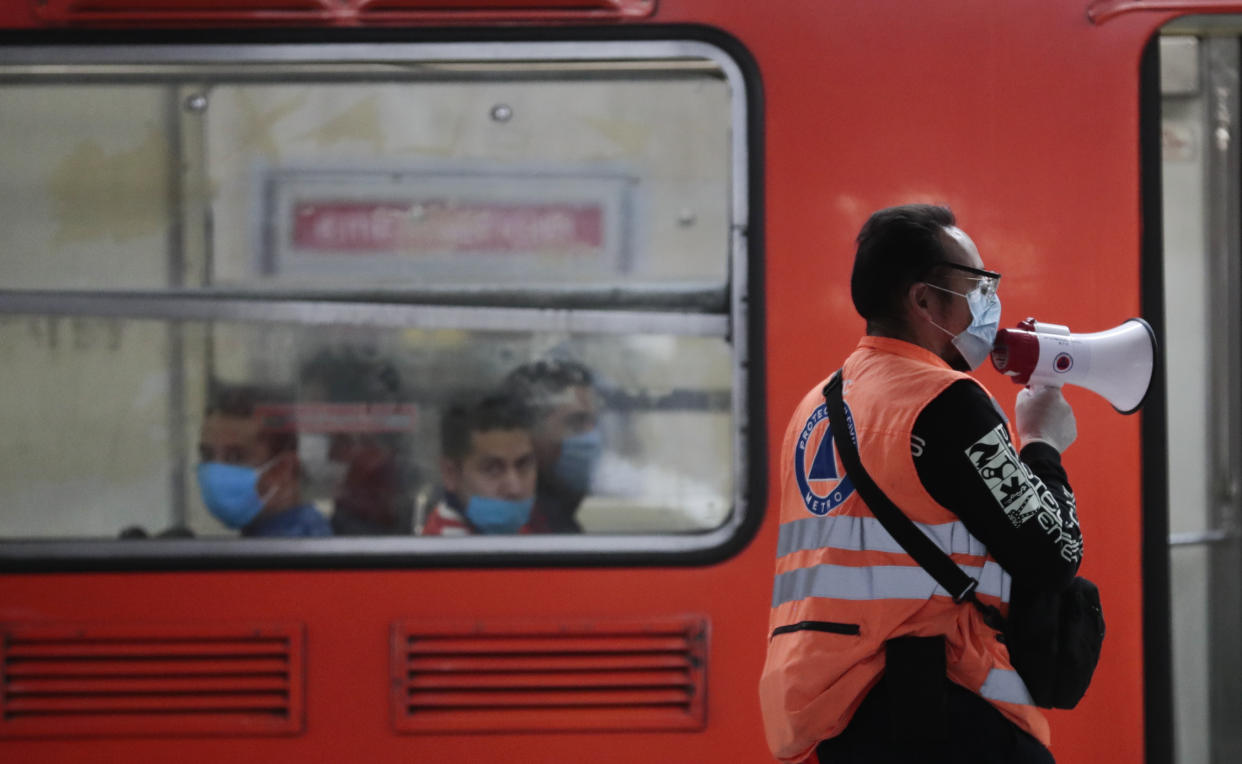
[248,472]
[359,457]
[487,468]
[562,399]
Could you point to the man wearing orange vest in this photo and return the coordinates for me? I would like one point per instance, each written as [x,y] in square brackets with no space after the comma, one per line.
[869,660]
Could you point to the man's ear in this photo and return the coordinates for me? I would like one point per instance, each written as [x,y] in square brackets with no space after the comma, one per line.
[280,475]
[284,467]
[918,299]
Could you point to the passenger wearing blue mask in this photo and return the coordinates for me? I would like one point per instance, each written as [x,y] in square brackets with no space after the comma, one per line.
[561,396]
[487,468]
[248,473]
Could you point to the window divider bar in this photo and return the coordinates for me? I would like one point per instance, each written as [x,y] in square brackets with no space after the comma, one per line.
[202,306]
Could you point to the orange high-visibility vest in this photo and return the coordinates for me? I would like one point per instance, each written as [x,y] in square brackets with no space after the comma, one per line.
[844,586]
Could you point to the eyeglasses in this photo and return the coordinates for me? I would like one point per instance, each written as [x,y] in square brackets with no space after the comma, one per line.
[986,282]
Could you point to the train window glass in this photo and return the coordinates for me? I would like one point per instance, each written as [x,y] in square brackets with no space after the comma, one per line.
[456,300]
[361,411]
[446,179]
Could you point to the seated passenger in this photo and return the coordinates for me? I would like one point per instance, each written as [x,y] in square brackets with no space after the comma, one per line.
[248,473]
[487,466]
[563,402]
[366,470]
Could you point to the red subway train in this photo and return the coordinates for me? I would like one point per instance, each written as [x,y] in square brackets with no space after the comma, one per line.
[342,218]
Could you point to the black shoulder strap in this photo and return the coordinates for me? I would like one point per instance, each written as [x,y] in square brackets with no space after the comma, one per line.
[915,542]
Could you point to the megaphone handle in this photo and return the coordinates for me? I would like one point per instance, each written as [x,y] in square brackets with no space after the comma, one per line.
[1045,418]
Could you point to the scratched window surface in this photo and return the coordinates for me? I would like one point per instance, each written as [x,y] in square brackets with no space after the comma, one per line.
[265,285]
[494,180]
[109,420]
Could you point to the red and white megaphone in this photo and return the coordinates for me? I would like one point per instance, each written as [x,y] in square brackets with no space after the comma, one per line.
[1116,364]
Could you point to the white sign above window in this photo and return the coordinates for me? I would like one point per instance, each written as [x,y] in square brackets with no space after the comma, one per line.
[438,226]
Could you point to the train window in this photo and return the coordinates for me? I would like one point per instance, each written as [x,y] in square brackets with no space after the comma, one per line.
[418,302]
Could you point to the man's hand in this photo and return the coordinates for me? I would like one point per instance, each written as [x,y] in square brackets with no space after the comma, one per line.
[1043,415]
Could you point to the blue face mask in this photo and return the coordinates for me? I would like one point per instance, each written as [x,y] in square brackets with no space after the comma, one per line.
[579,455]
[231,492]
[975,341]
[490,515]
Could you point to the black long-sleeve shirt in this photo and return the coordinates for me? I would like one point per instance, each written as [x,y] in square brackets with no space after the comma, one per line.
[1020,507]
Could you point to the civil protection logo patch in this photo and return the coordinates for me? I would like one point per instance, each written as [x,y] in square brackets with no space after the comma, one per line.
[822,484]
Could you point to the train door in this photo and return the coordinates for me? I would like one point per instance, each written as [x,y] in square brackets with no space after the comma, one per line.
[1202,206]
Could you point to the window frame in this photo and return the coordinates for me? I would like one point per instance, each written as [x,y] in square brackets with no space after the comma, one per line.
[740,323]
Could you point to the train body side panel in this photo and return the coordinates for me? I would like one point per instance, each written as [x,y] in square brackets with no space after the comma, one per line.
[348,618]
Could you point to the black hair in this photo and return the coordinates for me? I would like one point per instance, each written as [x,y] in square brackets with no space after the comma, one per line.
[353,374]
[276,426]
[897,246]
[536,382]
[498,411]
[357,374]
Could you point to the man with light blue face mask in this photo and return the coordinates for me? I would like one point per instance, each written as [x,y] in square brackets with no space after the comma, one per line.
[248,472]
[487,469]
[568,444]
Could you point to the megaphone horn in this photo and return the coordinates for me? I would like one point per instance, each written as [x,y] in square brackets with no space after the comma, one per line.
[1117,363]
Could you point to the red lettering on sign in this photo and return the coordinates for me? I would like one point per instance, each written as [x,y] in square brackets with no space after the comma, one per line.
[439,226]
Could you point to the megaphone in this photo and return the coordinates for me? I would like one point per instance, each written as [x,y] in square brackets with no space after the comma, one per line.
[1116,364]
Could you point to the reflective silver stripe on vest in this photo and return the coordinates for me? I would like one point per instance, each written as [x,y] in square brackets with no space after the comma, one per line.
[867,534]
[879,582]
[1005,686]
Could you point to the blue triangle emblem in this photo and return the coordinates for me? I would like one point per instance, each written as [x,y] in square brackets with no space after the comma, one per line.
[824,467]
